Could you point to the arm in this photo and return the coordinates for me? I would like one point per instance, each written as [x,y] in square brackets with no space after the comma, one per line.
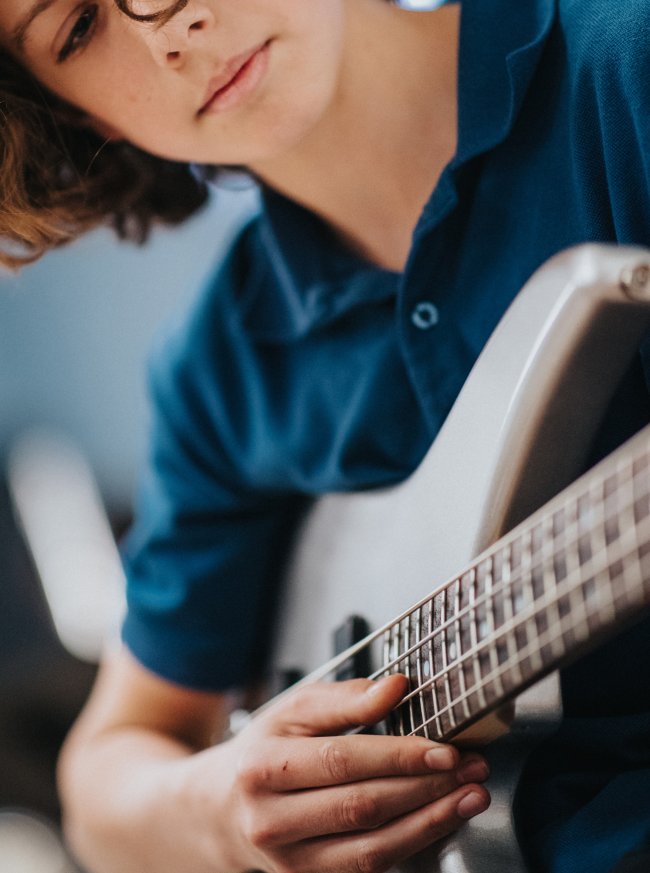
[143,788]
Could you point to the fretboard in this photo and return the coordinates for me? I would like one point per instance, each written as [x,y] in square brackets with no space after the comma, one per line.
[577,571]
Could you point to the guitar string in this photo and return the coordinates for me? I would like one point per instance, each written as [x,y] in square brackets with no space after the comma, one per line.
[612,552]
[523,572]
[591,567]
[545,638]
[634,454]
[598,563]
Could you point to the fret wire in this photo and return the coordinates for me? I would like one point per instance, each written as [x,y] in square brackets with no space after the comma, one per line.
[386,647]
[473,636]
[490,619]
[529,626]
[479,601]
[386,658]
[547,640]
[394,647]
[599,532]
[508,607]
[443,651]
[432,667]
[567,584]
[418,668]
[548,576]
[577,594]
[407,644]
[459,638]
[627,521]
[395,662]
[446,661]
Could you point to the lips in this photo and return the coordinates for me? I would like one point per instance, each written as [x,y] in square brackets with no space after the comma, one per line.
[229,76]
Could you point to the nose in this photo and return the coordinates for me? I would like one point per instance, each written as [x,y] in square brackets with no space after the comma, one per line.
[172,43]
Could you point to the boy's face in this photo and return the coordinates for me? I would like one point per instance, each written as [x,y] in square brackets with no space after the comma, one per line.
[223,82]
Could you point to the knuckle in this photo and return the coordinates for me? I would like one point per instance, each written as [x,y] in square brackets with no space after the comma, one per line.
[334,762]
[282,865]
[400,759]
[253,771]
[370,860]
[257,825]
[440,824]
[359,810]
[260,832]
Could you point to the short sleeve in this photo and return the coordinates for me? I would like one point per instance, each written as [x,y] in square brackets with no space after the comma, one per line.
[608,53]
[205,555]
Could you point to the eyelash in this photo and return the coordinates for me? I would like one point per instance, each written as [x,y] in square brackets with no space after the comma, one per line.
[77,39]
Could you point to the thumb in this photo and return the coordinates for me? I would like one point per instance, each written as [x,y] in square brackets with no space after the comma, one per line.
[334,707]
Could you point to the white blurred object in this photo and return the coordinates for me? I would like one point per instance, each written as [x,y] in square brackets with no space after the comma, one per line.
[65,525]
[419,5]
[30,845]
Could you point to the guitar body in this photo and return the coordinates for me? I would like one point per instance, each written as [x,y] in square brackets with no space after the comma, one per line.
[510,443]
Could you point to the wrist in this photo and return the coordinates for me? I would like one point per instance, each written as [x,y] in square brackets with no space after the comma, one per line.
[203,784]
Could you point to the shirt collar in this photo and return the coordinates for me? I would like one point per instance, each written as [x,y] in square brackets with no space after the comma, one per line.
[501,44]
[315,277]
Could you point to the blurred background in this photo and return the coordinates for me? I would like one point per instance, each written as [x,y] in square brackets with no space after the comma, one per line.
[75,330]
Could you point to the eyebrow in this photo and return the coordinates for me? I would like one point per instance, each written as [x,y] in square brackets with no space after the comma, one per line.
[19,33]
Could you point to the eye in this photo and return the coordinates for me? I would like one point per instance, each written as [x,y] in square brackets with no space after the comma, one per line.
[80,33]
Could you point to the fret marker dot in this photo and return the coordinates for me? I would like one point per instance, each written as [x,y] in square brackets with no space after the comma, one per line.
[452,651]
[426,669]
[518,602]
[482,629]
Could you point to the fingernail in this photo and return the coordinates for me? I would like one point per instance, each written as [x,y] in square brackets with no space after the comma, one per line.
[472,804]
[473,770]
[440,759]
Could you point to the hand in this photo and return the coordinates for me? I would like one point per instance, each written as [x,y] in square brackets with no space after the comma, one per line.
[300,799]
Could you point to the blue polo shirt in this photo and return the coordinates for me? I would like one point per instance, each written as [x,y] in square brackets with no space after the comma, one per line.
[302,369]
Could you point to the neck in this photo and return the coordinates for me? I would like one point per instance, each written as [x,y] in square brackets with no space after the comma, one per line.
[371,162]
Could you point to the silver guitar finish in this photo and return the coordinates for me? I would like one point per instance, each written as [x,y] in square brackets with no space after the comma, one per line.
[512,440]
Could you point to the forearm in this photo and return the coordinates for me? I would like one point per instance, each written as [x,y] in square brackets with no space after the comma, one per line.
[132,803]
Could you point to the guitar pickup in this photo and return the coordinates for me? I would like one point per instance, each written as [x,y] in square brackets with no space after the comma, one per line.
[352,631]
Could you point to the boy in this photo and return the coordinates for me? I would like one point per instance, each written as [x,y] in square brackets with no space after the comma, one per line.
[325,357]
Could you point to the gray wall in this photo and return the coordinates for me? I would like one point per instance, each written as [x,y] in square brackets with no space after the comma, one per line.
[75,329]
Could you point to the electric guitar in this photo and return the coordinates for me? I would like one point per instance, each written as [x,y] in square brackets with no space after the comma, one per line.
[477,600]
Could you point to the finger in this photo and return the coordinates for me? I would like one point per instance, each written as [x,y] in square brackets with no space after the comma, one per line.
[341,809]
[326,708]
[315,762]
[382,848]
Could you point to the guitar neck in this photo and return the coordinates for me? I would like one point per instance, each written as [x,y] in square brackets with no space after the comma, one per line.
[574,573]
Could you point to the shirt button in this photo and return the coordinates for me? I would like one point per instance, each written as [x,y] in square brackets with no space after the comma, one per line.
[425,315]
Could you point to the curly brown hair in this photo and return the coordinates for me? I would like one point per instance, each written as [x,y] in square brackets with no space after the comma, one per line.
[59,179]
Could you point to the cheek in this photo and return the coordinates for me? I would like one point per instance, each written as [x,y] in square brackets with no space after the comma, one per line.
[126,105]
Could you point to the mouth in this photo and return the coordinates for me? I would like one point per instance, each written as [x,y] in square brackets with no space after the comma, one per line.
[238,78]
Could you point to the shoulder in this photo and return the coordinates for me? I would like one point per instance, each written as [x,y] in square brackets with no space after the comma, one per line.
[606,37]
[189,347]
[198,377]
